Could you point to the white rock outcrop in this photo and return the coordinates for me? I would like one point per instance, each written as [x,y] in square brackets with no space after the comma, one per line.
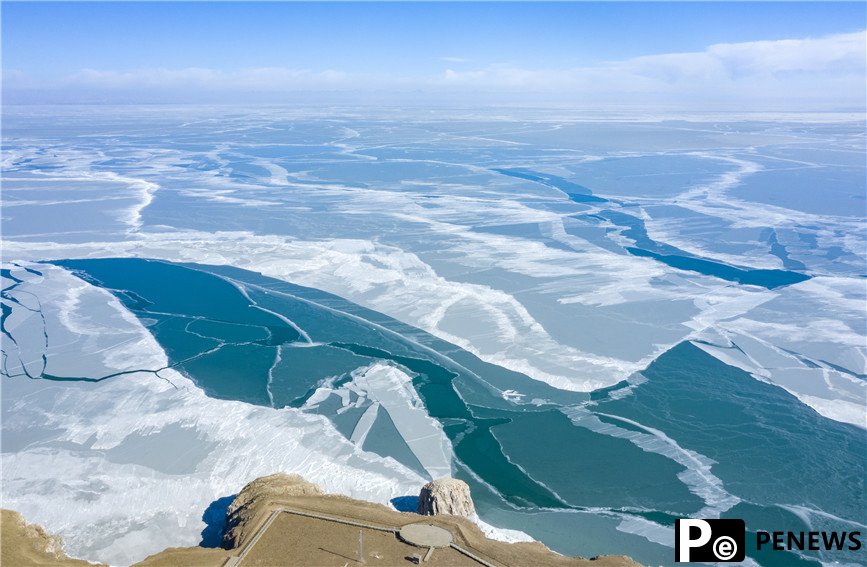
[446,496]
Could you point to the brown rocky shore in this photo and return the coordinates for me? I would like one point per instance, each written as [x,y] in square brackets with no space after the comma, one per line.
[283,520]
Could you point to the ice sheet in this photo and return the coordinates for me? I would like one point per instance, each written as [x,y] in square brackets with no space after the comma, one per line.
[143,456]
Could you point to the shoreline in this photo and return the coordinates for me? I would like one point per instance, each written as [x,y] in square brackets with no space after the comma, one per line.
[276,520]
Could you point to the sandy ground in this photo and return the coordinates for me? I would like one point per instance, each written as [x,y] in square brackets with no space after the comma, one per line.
[308,541]
[338,544]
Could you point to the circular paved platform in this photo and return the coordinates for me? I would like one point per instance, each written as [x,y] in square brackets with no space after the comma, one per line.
[426,535]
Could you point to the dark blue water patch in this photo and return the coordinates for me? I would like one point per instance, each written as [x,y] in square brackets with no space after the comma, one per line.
[801,358]
[7,273]
[55,378]
[199,163]
[5,308]
[38,167]
[215,522]
[30,270]
[480,451]
[635,230]
[576,192]
[5,312]
[221,331]
[20,162]
[807,235]
[769,448]
[233,372]
[646,247]
[782,253]
[132,300]
[594,218]
[581,198]
[172,288]
[173,333]
[770,279]
[279,335]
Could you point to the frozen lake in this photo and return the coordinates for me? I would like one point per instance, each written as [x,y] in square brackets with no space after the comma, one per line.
[601,324]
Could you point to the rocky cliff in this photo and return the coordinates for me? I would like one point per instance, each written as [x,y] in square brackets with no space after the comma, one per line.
[28,544]
[252,505]
[446,496]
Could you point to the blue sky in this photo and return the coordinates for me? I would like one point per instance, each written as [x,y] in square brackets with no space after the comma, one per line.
[473,52]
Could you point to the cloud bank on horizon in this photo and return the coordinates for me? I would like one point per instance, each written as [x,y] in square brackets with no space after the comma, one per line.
[819,72]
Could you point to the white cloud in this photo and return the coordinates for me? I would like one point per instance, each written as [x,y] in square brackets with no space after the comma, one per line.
[832,69]
[455,59]
[829,71]
[269,78]
[841,51]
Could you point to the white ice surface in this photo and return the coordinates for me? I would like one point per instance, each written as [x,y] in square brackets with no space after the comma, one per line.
[89,333]
[61,467]
[802,354]
[496,326]
[500,534]
[381,277]
[530,314]
[390,389]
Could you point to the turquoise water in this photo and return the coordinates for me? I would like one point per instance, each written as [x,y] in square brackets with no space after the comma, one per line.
[769,456]
[770,450]
[531,466]
[229,365]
